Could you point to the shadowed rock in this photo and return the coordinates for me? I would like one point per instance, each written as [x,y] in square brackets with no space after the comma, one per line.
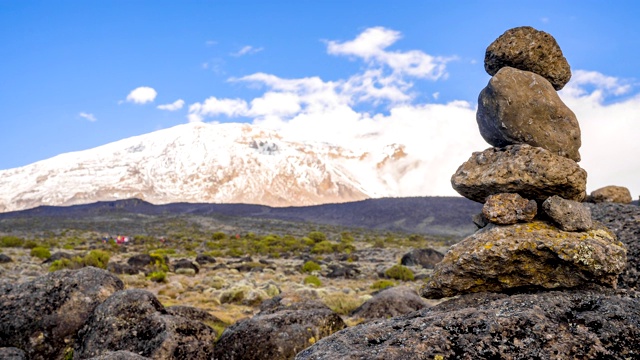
[185,264]
[192,313]
[537,254]
[528,49]
[134,320]
[277,332]
[390,302]
[5,259]
[568,215]
[42,316]
[573,324]
[119,355]
[11,353]
[520,107]
[532,172]
[505,209]
[427,258]
[611,194]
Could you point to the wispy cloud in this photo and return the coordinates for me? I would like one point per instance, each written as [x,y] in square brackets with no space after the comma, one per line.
[88,116]
[210,42]
[247,50]
[176,105]
[142,95]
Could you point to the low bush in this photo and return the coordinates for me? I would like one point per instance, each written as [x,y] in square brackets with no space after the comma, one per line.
[324,247]
[382,284]
[157,276]
[11,241]
[40,252]
[312,280]
[399,272]
[97,258]
[310,266]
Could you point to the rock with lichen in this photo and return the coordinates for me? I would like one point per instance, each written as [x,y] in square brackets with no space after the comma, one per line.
[611,194]
[505,209]
[568,215]
[530,255]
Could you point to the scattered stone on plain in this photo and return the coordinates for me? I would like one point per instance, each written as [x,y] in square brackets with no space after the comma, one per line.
[611,193]
[426,258]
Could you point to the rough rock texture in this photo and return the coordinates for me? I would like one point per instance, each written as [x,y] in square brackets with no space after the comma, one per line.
[532,172]
[571,324]
[624,221]
[427,258]
[528,49]
[42,316]
[205,259]
[508,209]
[390,302]
[134,320]
[192,313]
[11,353]
[479,220]
[567,214]
[520,107]
[119,355]
[278,332]
[612,193]
[4,259]
[57,256]
[185,264]
[504,258]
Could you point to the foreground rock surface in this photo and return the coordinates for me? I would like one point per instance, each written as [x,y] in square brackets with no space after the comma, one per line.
[574,324]
[537,254]
[42,316]
[528,49]
[135,321]
[390,302]
[532,172]
[279,331]
[520,107]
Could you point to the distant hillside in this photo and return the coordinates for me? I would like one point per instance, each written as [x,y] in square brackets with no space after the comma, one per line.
[448,216]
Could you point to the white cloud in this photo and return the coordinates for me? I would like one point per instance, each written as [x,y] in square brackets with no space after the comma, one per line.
[210,42]
[247,50]
[142,95]
[176,105]
[88,116]
[214,106]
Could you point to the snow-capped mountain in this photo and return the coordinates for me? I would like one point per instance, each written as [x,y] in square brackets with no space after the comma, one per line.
[198,162]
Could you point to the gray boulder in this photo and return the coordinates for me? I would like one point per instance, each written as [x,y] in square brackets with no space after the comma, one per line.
[571,324]
[135,321]
[567,214]
[611,194]
[528,49]
[426,258]
[5,259]
[532,172]
[505,209]
[530,255]
[42,316]
[279,331]
[520,107]
[390,302]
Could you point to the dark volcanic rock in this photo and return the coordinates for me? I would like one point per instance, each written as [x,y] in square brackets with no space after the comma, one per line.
[390,302]
[5,259]
[140,260]
[57,256]
[567,214]
[192,313]
[118,268]
[532,172]
[205,259]
[506,258]
[347,271]
[42,316]
[611,193]
[427,258]
[185,264]
[134,320]
[528,49]
[520,107]
[278,332]
[572,324]
[11,353]
[119,355]
[506,209]
[624,221]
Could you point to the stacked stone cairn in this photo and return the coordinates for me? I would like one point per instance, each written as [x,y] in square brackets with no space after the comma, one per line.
[535,231]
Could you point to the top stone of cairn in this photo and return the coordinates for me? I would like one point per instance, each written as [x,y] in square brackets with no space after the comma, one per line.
[528,49]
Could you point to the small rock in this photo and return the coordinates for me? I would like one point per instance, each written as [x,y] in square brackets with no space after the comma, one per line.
[5,259]
[427,258]
[611,194]
[536,254]
[205,259]
[567,214]
[479,220]
[390,302]
[185,264]
[57,256]
[528,49]
[532,172]
[506,209]
[192,313]
[520,107]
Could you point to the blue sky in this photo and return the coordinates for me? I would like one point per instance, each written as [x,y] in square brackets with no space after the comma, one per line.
[68,69]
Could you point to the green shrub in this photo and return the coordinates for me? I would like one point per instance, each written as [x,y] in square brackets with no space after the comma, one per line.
[75,263]
[382,284]
[30,244]
[158,276]
[341,303]
[317,236]
[218,236]
[312,280]
[159,262]
[41,252]
[97,258]
[324,247]
[11,241]
[310,266]
[399,272]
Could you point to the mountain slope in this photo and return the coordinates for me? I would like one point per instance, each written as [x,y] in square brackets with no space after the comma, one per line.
[221,163]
